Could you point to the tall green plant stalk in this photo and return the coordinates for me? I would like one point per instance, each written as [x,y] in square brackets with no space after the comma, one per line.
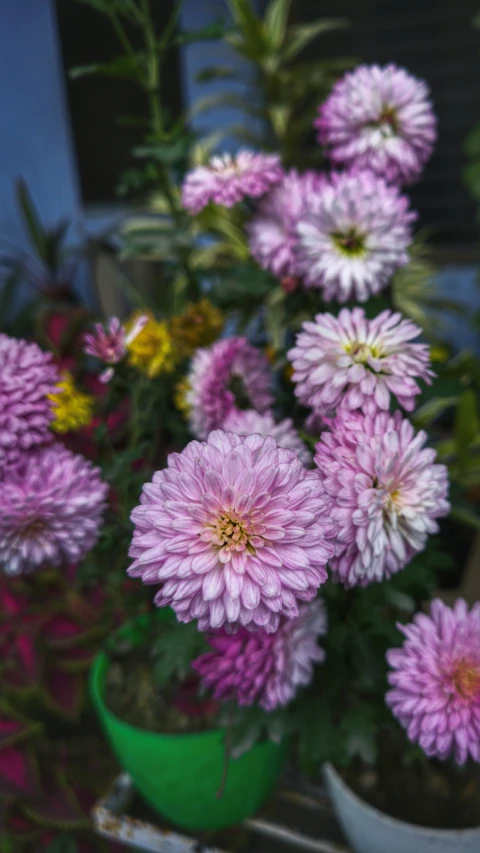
[145,68]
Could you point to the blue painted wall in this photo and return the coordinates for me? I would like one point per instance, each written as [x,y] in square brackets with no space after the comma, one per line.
[35,141]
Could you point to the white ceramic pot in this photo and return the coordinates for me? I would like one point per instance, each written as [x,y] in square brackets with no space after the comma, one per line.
[371,831]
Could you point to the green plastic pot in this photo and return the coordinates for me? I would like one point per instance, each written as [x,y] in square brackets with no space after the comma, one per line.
[180,775]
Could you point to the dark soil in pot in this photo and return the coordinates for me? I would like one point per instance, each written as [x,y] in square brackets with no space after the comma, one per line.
[133,694]
[423,792]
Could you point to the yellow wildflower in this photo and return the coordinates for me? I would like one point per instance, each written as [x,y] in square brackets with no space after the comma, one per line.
[270,354]
[180,396]
[198,326]
[152,350]
[439,353]
[72,408]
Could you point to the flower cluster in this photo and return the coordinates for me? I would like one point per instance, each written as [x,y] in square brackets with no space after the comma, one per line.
[355,363]
[51,500]
[236,531]
[27,377]
[226,180]
[265,668]
[435,681]
[379,119]
[229,376]
[387,493]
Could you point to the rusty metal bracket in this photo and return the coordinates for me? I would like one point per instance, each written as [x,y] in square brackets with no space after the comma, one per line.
[111,819]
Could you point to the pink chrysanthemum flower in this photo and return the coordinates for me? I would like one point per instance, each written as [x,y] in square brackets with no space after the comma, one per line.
[380,119]
[27,376]
[353,235]
[228,179]
[355,363]
[250,422]
[387,493]
[109,344]
[236,530]
[51,506]
[436,681]
[223,378]
[272,231]
[256,667]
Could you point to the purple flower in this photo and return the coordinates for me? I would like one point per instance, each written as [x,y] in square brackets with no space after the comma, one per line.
[228,179]
[379,119]
[27,376]
[236,530]
[353,235]
[284,433]
[436,681]
[387,493]
[51,506]
[110,345]
[265,668]
[229,375]
[355,363]
[272,231]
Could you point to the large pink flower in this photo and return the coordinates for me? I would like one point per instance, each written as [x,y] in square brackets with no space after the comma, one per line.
[228,179]
[387,493]
[272,231]
[265,668]
[51,506]
[236,530]
[228,376]
[27,376]
[352,236]
[284,433]
[436,681]
[355,363]
[381,119]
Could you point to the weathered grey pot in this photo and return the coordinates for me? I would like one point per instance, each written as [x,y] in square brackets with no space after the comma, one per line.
[371,831]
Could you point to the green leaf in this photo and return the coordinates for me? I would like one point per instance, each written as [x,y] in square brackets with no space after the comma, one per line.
[302,34]
[212,32]
[122,66]
[62,844]
[466,425]
[466,517]
[360,728]
[472,142]
[431,410]
[222,99]
[276,20]
[216,72]
[165,152]
[174,650]
[35,229]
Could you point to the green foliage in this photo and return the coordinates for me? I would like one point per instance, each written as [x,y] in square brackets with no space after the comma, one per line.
[173,651]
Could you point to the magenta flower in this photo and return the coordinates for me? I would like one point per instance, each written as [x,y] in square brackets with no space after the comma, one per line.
[352,236]
[27,376]
[272,231]
[51,506]
[387,493]
[265,668]
[236,530]
[228,179]
[110,345]
[355,363]
[250,422]
[229,375]
[436,681]
[380,119]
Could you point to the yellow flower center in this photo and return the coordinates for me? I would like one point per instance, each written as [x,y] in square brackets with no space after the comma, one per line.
[350,243]
[466,679]
[151,351]
[233,532]
[361,352]
[72,408]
